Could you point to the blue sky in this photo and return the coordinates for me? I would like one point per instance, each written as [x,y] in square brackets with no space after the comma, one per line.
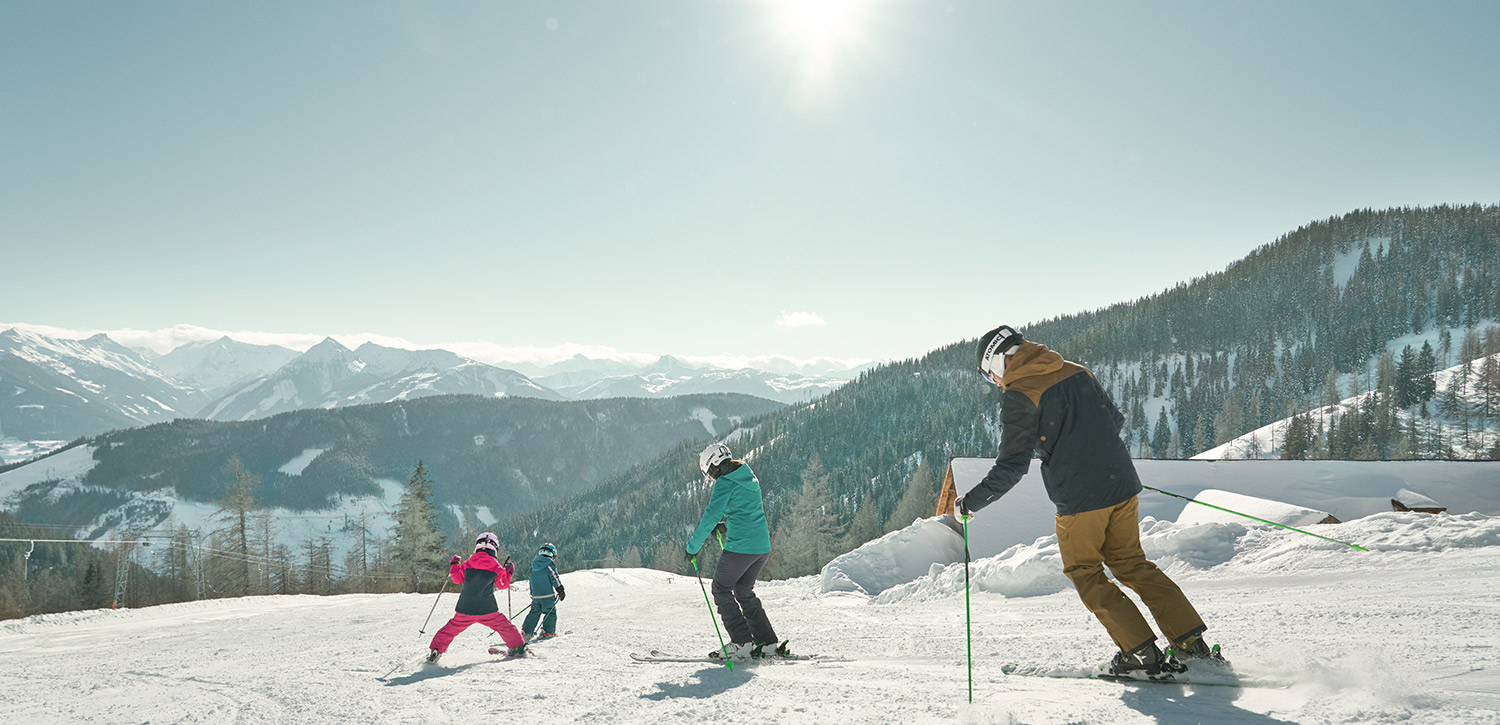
[678,176]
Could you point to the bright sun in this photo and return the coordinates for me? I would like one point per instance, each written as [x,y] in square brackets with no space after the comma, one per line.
[819,25]
[817,32]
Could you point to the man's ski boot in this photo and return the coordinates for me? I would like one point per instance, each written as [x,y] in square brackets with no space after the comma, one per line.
[771,649]
[432,656]
[1145,659]
[1193,651]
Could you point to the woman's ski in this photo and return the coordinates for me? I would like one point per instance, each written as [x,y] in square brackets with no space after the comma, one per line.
[657,655]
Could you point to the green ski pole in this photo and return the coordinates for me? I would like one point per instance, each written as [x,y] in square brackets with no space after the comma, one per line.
[968,617]
[1256,518]
[722,647]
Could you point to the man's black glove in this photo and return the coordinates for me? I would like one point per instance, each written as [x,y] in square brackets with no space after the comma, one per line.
[720,531]
[962,508]
[561,593]
[456,558]
[691,557]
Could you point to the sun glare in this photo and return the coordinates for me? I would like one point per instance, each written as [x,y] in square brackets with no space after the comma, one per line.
[818,32]
[818,25]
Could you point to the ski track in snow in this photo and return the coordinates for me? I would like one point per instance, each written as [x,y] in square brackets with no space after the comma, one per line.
[1359,637]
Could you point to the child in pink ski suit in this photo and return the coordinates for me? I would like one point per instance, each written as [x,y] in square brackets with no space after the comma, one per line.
[480,576]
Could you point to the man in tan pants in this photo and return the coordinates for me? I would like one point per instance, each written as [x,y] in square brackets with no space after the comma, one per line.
[1057,409]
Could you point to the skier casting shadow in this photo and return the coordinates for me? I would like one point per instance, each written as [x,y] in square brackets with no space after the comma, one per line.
[1057,409]
[747,547]
[480,575]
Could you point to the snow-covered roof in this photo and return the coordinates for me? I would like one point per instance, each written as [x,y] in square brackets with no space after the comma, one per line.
[1274,511]
[1412,500]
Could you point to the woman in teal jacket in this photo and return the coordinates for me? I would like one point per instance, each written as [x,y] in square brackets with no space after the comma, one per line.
[735,500]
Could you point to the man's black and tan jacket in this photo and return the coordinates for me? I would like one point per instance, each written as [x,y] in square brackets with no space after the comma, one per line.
[1056,408]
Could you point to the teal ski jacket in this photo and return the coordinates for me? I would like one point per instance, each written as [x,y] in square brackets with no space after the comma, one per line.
[736,501]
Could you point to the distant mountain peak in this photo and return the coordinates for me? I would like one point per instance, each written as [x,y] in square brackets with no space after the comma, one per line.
[327,348]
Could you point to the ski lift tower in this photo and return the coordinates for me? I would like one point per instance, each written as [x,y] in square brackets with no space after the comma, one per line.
[129,540]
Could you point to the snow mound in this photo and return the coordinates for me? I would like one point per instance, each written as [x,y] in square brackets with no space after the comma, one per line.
[1021,571]
[894,559]
[1201,546]
[1391,535]
[1029,570]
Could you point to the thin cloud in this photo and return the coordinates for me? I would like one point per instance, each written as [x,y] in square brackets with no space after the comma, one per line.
[801,319]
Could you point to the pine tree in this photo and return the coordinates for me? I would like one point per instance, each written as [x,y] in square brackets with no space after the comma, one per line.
[864,526]
[631,559]
[92,591]
[1406,384]
[918,500]
[179,572]
[1161,439]
[236,508]
[806,535]
[1298,441]
[418,554]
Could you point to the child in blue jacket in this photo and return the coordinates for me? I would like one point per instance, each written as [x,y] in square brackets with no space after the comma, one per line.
[546,592]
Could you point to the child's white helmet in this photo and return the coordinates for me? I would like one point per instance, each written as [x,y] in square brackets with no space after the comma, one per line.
[487,541]
[713,455]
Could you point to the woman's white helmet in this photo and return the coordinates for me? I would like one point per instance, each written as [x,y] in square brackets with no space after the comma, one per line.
[713,455]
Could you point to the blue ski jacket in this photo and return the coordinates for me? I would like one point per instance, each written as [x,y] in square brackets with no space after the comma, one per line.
[544,578]
[735,500]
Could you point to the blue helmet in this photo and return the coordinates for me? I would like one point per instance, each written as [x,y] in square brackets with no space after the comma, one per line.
[548,550]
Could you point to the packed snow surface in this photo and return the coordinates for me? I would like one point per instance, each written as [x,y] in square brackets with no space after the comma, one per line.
[1403,633]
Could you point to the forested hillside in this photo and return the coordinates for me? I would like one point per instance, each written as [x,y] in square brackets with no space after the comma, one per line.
[507,454]
[1191,367]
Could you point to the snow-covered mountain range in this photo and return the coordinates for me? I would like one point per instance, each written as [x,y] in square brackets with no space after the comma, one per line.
[218,365]
[53,390]
[330,375]
[671,376]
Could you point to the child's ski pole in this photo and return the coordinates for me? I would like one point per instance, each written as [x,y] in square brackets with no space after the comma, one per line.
[423,630]
[722,647]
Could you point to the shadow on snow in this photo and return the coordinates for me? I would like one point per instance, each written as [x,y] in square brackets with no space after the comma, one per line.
[710,681]
[1188,704]
[429,672]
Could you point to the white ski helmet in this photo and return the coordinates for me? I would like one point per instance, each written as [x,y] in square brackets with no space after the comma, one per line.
[487,541]
[994,347]
[713,455]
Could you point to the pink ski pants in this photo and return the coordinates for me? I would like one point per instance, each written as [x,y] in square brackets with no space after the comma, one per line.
[461,622]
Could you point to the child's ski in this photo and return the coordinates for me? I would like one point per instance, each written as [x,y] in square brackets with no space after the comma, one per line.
[1205,679]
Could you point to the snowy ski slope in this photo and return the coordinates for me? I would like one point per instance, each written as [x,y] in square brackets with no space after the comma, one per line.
[1404,633]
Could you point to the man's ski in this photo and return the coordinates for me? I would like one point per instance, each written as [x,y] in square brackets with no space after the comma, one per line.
[1204,679]
[657,655]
